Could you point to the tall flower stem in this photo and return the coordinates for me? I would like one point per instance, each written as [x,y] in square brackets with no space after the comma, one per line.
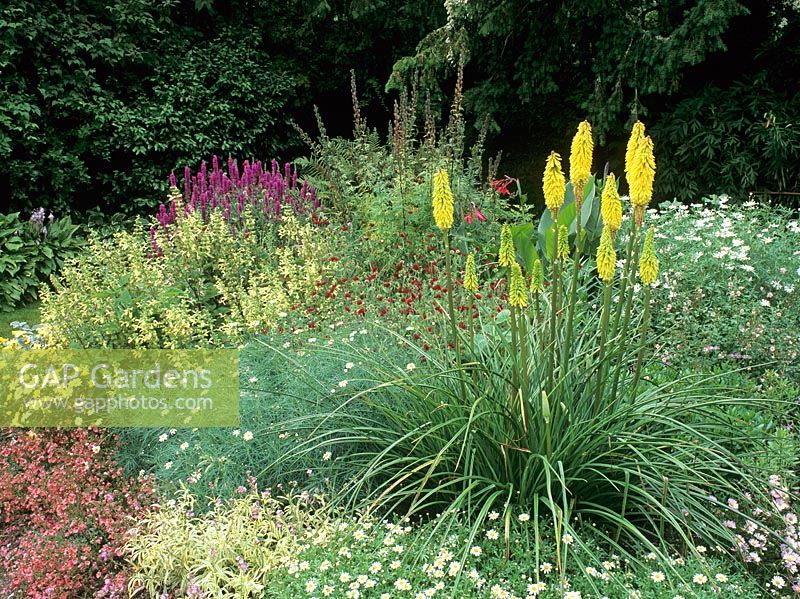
[622,343]
[572,294]
[551,342]
[624,281]
[645,325]
[452,315]
[539,324]
[601,352]
[515,353]
[522,330]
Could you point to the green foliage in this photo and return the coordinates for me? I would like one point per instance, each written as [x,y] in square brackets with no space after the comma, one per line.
[385,189]
[57,65]
[283,377]
[222,94]
[31,252]
[743,138]
[99,99]
[585,56]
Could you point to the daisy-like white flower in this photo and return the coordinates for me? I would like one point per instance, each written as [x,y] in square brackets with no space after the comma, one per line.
[778,582]
[476,551]
[657,577]
[168,466]
[375,567]
[343,384]
[721,577]
[327,456]
[248,436]
[699,579]
[493,515]
[184,446]
[546,567]
[401,584]
[311,586]
[492,534]
[327,590]
[524,517]
[568,539]
[411,366]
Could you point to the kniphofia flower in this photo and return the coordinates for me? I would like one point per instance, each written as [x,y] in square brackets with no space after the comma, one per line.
[606,257]
[640,178]
[648,263]
[553,183]
[580,160]
[471,275]
[563,242]
[442,201]
[610,205]
[537,277]
[637,133]
[506,256]
[517,292]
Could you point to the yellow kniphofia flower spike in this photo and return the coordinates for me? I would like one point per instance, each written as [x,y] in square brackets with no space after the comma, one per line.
[610,205]
[517,292]
[606,257]
[553,183]
[580,160]
[506,256]
[648,263]
[442,200]
[471,275]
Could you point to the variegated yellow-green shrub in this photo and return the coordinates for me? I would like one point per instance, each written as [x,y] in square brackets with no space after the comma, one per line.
[192,284]
[228,552]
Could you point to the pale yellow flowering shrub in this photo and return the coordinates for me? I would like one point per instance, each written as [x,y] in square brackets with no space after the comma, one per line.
[114,295]
[195,284]
[230,551]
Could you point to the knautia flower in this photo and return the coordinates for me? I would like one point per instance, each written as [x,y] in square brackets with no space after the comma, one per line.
[637,134]
[563,242]
[442,200]
[553,183]
[648,263]
[640,178]
[610,205]
[580,160]
[517,292]
[537,277]
[606,257]
[470,275]
[506,257]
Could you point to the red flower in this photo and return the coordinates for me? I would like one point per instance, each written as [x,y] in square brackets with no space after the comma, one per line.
[501,185]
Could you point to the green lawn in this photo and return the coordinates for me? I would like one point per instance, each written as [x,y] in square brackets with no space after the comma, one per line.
[29,314]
